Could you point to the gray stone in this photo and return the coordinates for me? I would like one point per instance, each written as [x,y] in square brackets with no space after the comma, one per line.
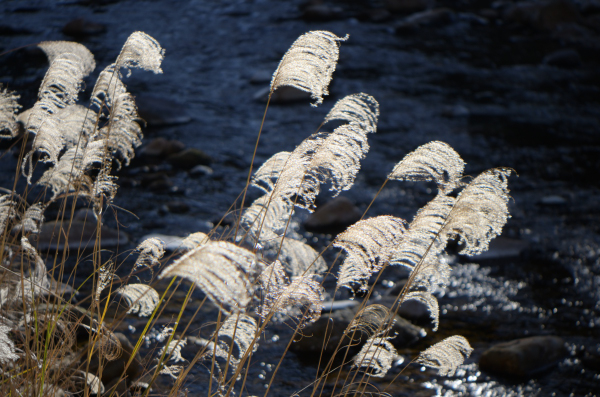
[333,217]
[159,111]
[189,158]
[567,59]
[80,235]
[408,5]
[332,327]
[282,95]
[523,358]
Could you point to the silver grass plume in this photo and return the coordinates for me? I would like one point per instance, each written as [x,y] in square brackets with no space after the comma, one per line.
[194,240]
[446,355]
[337,160]
[65,129]
[372,320]
[360,108]
[37,281]
[106,274]
[266,218]
[69,172]
[290,183]
[141,298]
[423,236]
[428,300]
[234,339]
[151,250]
[172,350]
[368,245]
[222,270]
[123,133]
[301,299]
[70,63]
[297,257]
[7,211]
[481,210]
[333,157]
[8,113]
[267,175]
[32,220]
[309,63]
[435,161]
[376,357]
[7,346]
[141,51]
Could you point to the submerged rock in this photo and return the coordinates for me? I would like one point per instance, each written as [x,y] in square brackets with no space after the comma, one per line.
[327,333]
[79,235]
[81,27]
[522,358]
[567,59]
[189,158]
[333,217]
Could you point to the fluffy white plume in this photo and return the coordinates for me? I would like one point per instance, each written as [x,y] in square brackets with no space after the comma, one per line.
[224,272]
[309,63]
[446,355]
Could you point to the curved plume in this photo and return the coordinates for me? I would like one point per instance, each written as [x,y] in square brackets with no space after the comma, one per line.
[360,108]
[151,250]
[69,64]
[376,357]
[266,218]
[435,161]
[7,346]
[446,355]
[481,211]
[33,218]
[141,51]
[430,301]
[7,210]
[194,240]
[301,299]
[309,63]
[368,245]
[141,298]
[298,258]
[423,236]
[371,320]
[337,160]
[8,113]
[266,176]
[224,272]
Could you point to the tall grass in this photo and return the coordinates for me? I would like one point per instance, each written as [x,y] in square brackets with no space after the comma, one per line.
[258,273]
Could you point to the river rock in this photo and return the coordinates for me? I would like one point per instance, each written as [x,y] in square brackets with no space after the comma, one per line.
[333,326]
[201,170]
[502,247]
[161,148]
[80,27]
[407,6]
[333,217]
[282,95]
[189,158]
[567,58]
[81,235]
[317,11]
[543,15]
[158,111]
[112,370]
[177,207]
[435,17]
[523,358]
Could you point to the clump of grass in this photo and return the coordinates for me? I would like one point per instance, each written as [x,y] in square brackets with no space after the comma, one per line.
[259,274]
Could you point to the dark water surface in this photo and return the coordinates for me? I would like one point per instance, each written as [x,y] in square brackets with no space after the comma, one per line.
[476,82]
